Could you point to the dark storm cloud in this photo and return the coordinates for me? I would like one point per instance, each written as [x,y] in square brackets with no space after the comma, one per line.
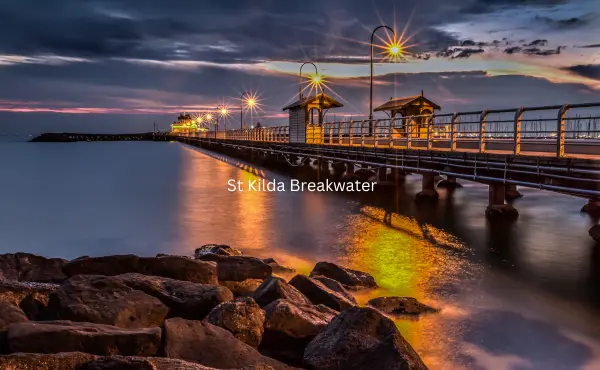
[590,70]
[591,46]
[568,23]
[488,6]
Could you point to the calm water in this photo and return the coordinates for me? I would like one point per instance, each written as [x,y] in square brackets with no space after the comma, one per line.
[521,296]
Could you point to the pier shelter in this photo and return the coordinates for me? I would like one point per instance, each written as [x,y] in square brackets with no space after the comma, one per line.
[417,106]
[306,117]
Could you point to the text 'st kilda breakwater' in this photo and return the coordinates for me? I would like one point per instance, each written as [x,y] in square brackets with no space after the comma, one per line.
[296,185]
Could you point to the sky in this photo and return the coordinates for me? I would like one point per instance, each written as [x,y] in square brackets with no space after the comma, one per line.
[121,66]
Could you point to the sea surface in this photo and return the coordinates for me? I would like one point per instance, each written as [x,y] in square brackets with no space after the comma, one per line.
[513,296]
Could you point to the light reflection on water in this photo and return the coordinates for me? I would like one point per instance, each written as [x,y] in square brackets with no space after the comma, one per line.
[520,296]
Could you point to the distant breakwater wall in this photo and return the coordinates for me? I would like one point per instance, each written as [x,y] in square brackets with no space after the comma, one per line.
[65,137]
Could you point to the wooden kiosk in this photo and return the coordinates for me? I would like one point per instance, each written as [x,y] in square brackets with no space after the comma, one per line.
[418,106]
[306,117]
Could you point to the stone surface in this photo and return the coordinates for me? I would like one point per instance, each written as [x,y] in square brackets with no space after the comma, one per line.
[336,286]
[67,336]
[242,288]
[40,361]
[400,305]
[242,317]
[501,212]
[347,277]
[174,267]
[277,268]
[290,326]
[361,339]
[105,300]
[29,267]
[238,268]
[10,313]
[185,299]
[220,249]
[210,345]
[274,288]
[31,297]
[318,293]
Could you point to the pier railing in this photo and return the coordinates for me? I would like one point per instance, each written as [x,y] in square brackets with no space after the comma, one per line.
[558,130]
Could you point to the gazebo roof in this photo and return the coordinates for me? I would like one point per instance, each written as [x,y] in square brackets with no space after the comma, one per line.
[405,102]
[328,102]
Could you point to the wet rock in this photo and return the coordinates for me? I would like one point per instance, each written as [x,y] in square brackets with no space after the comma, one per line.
[238,268]
[426,196]
[243,318]
[400,305]
[277,268]
[210,345]
[347,277]
[242,288]
[185,299]
[67,336]
[290,326]
[220,249]
[140,363]
[336,286]
[40,361]
[29,267]
[174,267]
[105,300]
[10,313]
[274,288]
[501,212]
[318,293]
[361,338]
[31,297]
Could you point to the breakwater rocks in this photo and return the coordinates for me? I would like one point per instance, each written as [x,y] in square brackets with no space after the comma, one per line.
[66,137]
[219,309]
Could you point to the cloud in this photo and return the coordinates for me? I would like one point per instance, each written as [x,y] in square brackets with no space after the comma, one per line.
[568,23]
[590,70]
[488,6]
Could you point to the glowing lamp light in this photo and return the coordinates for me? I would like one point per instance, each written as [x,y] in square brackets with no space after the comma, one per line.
[316,79]
[223,111]
[251,102]
[199,119]
[209,116]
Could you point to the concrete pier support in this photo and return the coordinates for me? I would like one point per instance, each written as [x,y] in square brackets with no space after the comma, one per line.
[349,168]
[350,174]
[428,193]
[511,192]
[496,208]
[397,175]
[592,207]
[449,183]
[382,174]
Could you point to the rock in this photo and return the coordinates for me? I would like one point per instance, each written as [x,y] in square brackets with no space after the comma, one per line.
[210,345]
[140,363]
[40,361]
[290,326]
[105,300]
[277,268]
[29,267]
[501,212]
[31,297]
[67,336]
[336,286]
[274,288]
[242,288]
[426,196]
[400,305]
[318,293]
[347,277]
[174,267]
[10,313]
[220,249]
[238,268]
[242,317]
[595,233]
[361,338]
[185,299]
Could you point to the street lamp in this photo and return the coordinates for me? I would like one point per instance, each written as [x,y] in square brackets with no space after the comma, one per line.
[242,108]
[222,112]
[300,75]
[395,51]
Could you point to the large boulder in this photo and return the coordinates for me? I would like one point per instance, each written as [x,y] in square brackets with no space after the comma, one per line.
[29,267]
[351,279]
[174,267]
[150,363]
[210,345]
[336,286]
[360,339]
[277,268]
[238,268]
[242,317]
[318,293]
[43,361]
[185,299]
[67,336]
[10,313]
[400,305]
[290,326]
[31,297]
[220,249]
[274,288]
[243,288]
[105,300]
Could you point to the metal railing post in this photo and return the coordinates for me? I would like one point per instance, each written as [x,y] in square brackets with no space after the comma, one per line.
[340,134]
[517,144]
[560,131]
[429,123]
[362,133]
[376,134]
[350,134]
[408,132]
[482,127]
[453,132]
[390,132]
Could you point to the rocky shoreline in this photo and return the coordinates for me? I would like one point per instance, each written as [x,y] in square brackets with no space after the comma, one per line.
[219,309]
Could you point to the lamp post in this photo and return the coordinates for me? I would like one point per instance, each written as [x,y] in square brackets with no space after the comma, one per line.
[242,109]
[300,75]
[221,112]
[371,85]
